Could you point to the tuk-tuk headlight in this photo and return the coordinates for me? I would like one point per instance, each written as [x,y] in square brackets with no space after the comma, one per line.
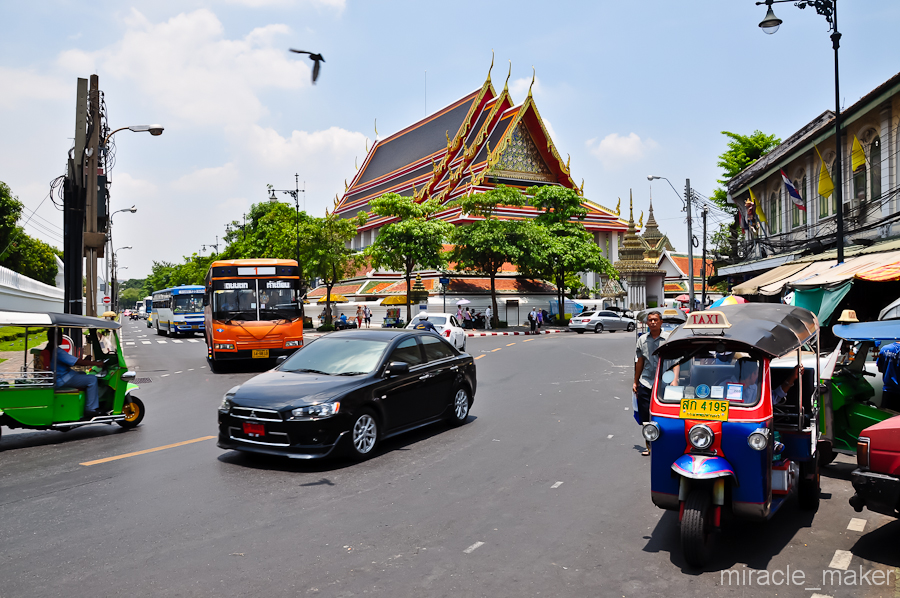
[758,439]
[701,436]
[650,431]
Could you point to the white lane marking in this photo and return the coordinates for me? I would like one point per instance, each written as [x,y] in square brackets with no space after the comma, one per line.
[179,342]
[841,559]
[179,372]
[609,436]
[190,369]
[856,524]
[129,344]
[146,343]
[556,485]
[164,375]
[617,398]
[471,548]
[193,340]
[627,409]
[161,342]
[820,596]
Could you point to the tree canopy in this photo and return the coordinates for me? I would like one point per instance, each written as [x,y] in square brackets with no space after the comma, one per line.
[18,251]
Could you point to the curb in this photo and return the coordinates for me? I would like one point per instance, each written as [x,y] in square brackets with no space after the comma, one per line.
[526,333]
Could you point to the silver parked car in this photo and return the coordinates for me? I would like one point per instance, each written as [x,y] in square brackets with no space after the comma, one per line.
[598,321]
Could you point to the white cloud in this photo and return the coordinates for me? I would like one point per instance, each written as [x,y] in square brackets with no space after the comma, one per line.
[205,179]
[338,5]
[518,89]
[614,149]
[24,85]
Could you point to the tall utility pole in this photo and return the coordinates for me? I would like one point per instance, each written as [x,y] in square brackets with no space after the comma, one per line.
[687,198]
[703,296]
[73,210]
[93,240]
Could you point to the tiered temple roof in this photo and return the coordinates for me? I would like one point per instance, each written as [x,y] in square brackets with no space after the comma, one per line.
[631,252]
[475,144]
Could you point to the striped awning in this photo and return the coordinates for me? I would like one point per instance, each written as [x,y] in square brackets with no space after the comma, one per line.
[886,273]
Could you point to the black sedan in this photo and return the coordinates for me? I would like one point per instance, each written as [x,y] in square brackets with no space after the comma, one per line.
[352,388]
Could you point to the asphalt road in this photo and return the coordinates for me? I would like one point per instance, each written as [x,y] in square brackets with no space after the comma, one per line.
[542,493]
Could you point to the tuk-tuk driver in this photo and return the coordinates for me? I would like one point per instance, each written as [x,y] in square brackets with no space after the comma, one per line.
[749,378]
[66,376]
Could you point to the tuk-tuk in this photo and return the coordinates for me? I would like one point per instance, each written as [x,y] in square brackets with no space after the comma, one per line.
[717,440]
[29,397]
[672,318]
[851,403]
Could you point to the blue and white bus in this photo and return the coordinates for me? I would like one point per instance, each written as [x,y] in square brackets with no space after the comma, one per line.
[178,310]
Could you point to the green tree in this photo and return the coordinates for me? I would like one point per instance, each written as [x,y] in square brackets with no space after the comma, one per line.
[10,211]
[485,245]
[128,297]
[414,241]
[560,246]
[324,251]
[743,150]
[18,251]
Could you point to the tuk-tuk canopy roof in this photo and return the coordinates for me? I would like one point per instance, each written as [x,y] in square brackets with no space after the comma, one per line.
[761,327]
[887,330]
[52,320]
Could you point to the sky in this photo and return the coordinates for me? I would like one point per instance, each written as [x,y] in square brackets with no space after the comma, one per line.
[627,88]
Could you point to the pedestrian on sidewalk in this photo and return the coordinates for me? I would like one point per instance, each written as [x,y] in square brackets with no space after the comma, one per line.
[459,316]
[532,319]
[359,316]
[368,315]
[488,314]
[645,367]
[468,317]
[540,319]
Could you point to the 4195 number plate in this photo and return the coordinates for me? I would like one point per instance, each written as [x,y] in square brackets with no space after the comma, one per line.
[703,409]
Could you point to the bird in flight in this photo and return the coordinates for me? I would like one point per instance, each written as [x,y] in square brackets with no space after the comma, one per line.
[316,58]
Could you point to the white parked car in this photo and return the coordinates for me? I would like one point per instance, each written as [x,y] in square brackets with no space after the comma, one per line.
[447,326]
[598,321]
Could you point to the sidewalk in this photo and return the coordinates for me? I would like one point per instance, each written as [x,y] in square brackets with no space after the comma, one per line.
[515,331]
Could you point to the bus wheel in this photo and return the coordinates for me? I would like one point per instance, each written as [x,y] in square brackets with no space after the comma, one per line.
[214,367]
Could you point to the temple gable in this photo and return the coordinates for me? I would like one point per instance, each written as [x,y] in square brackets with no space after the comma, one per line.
[521,159]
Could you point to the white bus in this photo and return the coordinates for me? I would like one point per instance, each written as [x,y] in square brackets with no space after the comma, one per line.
[178,310]
[144,307]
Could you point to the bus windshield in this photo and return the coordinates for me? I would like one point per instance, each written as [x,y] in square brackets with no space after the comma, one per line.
[188,304]
[251,300]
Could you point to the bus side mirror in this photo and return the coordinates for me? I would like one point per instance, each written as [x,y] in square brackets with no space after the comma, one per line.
[205,300]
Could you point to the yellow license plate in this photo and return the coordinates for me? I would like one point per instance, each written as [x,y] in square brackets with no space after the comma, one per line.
[703,409]
[260,353]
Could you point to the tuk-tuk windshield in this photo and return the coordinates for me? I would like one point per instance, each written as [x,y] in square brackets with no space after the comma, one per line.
[730,376]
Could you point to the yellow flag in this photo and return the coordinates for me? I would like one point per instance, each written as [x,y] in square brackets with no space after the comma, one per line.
[759,212]
[857,155]
[826,185]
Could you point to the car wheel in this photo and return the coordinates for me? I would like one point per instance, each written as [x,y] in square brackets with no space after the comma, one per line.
[363,435]
[630,328]
[598,328]
[134,413]
[580,331]
[460,407]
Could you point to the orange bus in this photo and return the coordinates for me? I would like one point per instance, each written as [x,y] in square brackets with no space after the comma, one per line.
[252,310]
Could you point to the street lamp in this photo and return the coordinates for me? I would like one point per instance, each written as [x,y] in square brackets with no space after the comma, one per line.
[687,197]
[828,9]
[115,278]
[154,130]
[111,274]
[295,193]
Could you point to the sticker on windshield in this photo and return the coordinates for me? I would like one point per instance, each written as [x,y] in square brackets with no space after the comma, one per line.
[673,393]
[689,392]
[702,391]
[735,392]
[717,392]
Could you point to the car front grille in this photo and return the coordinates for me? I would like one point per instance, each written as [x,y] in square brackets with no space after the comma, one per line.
[267,415]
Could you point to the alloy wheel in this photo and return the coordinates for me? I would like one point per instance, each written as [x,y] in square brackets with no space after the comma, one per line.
[364,434]
[461,404]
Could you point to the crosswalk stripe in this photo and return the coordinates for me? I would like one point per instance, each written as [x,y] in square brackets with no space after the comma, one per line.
[145,342]
[193,340]
[161,342]
[177,341]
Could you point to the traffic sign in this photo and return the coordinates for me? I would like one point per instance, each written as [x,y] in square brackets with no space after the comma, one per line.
[444,280]
[106,300]
[66,344]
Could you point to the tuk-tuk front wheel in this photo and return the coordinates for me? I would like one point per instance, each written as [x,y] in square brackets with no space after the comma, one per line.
[696,527]
[134,413]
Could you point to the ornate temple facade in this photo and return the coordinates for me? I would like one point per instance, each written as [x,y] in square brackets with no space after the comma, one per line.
[638,263]
[477,143]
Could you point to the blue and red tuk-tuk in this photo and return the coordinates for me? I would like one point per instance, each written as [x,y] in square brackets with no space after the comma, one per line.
[734,418]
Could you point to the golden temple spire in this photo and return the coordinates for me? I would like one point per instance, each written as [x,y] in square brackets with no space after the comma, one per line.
[355,165]
[492,66]
[619,207]
[506,84]
[533,75]
[641,221]
[568,159]
[376,129]
[367,145]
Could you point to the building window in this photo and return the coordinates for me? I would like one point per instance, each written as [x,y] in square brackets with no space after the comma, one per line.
[875,162]
[798,216]
[774,214]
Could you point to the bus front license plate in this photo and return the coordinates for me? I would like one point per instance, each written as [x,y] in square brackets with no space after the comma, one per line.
[255,430]
[703,409]
[260,353]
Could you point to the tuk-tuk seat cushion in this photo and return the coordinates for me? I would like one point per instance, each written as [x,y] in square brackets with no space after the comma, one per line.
[67,389]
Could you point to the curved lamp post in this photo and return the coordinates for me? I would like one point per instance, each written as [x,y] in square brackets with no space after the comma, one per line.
[154,130]
[690,235]
[828,9]
[115,282]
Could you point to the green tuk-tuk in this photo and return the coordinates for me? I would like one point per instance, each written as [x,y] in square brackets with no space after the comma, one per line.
[29,397]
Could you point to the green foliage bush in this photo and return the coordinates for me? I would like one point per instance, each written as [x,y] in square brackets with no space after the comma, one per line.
[502,324]
[325,328]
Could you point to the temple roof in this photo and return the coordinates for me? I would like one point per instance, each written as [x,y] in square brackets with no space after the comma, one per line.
[476,143]
[631,252]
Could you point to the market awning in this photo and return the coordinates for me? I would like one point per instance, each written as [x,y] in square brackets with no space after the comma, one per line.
[884,273]
[751,287]
[394,300]
[335,298]
[822,301]
[849,269]
[812,269]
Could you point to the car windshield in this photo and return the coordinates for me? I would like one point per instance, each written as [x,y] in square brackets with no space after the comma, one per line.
[188,304]
[336,356]
[710,375]
[436,320]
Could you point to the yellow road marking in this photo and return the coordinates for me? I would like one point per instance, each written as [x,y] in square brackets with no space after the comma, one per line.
[529,340]
[144,452]
[497,349]
[510,344]
[479,357]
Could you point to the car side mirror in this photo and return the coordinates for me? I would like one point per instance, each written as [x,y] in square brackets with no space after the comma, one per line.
[280,359]
[397,368]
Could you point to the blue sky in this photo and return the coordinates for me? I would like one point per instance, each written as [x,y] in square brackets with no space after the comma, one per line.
[628,88]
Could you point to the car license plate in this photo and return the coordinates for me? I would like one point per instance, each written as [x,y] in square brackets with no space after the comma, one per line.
[195,327]
[255,430]
[703,409]
[260,353]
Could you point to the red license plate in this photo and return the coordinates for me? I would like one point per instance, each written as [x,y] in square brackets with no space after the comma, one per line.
[256,430]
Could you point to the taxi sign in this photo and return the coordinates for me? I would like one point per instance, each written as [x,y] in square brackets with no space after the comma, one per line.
[707,319]
[670,312]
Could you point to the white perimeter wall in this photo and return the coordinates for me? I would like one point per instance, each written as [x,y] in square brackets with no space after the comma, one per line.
[18,292]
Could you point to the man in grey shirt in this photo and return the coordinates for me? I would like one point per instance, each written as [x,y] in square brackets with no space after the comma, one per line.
[645,366]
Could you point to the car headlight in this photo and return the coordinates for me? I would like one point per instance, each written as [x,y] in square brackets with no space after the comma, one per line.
[319,411]
[758,439]
[292,343]
[227,401]
[224,347]
[650,431]
[701,436]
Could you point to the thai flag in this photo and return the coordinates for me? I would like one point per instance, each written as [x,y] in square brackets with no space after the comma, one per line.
[792,191]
